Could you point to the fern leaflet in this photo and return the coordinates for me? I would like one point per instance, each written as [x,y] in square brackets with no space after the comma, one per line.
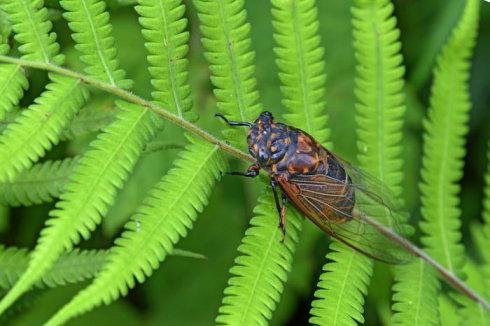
[89,22]
[12,81]
[164,218]
[302,70]
[38,128]
[415,295]
[93,117]
[380,109]
[164,28]
[39,184]
[446,127]
[226,39]
[32,29]
[75,266]
[261,270]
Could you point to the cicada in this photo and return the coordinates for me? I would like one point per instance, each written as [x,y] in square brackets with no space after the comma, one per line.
[343,201]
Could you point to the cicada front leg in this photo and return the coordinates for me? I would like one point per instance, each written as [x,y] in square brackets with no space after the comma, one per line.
[252,171]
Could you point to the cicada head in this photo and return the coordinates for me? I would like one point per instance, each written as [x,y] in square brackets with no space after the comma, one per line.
[268,141]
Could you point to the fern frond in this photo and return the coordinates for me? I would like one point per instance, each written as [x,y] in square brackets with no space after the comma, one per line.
[164,28]
[164,218]
[302,69]
[75,266]
[226,38]
[95,116]
[39,127]
[39,184]
[11,85]
[379,116]
[12,79]
[415,295]
[91,28]
[444,139]
[32,28]
[91,189]
[261,270]
[342,287]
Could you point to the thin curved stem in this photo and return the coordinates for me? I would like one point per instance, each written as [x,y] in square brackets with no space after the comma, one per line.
[452,279]
[130,97]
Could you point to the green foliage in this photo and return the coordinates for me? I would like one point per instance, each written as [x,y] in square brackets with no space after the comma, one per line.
[415,295]
[93,117]
[225,36]
[302,69]
[12,79]
[92,32]
[38,127]
[444,140]
[54,120]
[75,266]
[261,268]
[158,224]
[342,287]
[165,22]
[12,84]
[40,184]
[32,29]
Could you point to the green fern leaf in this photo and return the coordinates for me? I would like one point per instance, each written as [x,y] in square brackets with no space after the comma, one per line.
[226,39]
[89,22]
[444,141]
[380,109]
[91,189]
[302,69]
[93,117]
[12,81]
[164,28]
[75,266]
[12,85]
[32,28]
[342,287]
[164,218]
[39,184]
[38,128]
[415,295]
[261,270]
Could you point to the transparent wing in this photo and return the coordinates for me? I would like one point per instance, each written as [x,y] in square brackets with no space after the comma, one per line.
[321,196]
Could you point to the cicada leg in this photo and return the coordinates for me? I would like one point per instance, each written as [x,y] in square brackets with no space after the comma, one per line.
[281,209]
[252,171]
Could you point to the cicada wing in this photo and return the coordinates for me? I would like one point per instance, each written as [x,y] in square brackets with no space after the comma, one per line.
[320,196]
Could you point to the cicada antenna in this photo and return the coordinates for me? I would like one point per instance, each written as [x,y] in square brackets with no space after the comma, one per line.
[233,123]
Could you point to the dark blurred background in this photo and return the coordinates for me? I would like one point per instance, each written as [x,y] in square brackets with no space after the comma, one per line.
[186,291]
